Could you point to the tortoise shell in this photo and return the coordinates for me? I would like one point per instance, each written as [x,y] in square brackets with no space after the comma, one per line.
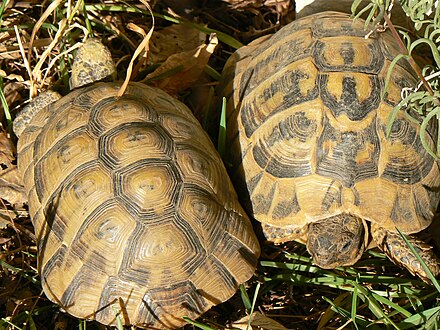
[307,129]
[132,207]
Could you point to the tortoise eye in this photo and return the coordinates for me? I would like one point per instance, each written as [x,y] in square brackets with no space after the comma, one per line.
[345,247]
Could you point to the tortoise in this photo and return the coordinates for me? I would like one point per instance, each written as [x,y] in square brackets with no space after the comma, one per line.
[132,207]
[306,125]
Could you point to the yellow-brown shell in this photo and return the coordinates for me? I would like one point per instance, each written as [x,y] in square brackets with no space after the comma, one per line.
[306,125]
[132,208]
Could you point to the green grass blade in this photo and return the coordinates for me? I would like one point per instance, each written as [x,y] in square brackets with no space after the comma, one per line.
[396,307]
[390,72]
[419,319]
[21,272]
[213,73]
[221,146]
[197,324]
[245,298]
[354,307]
[423,126]
[254,300]
[223,37]
[422,262]
[5,106]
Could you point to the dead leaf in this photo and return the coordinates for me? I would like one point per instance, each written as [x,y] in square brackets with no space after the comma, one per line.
[14,94]
[258,321]
[6,150]
[5,218]
[174,39]
[4,240]
[277,6]
[189,64]
[11,188]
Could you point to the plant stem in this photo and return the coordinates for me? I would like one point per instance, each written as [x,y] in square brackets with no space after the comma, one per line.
[411,61]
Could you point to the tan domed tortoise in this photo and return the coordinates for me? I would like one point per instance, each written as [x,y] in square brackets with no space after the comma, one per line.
[132,206]
[307,129]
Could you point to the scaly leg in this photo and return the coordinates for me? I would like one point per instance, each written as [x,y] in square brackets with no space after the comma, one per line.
[393,245]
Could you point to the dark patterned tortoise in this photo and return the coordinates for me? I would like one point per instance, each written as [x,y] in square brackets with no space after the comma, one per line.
[307,129]
[132,207]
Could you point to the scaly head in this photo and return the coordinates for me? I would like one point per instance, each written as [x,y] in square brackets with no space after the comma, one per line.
[337,241]
[24,117]
[92,63]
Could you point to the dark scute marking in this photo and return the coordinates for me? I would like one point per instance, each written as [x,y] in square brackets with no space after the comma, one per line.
[220,269]
[348,55]
[401,213]
[54,262]
[402,82]
[407,170]
[249,257]
[129,270]
[338,154]
[276,167]
[81,278]
[261,203]
[286,208]
[287,53]
[252,183]
[184,295]
[297,127]
[136,207]
[95,125]
[349,104]
[199,253]
[345,28]
[289,86]
[83,99]
[331,196]
[134,266]
[40,171]
[423,209]
[136,131]
[54,222]
[356,197]
[80,248]
[245,189]
[249,118]
[108,298]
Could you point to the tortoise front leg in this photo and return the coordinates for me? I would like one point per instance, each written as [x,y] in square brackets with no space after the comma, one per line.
[393,245]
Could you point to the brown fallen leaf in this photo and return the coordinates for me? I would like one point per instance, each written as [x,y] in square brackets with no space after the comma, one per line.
[180,71]
[174,39]
[7,150]
[278,6]
[258,321]
[11,188]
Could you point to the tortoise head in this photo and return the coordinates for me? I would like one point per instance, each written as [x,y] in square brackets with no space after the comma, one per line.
[92,63]
[337,241]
